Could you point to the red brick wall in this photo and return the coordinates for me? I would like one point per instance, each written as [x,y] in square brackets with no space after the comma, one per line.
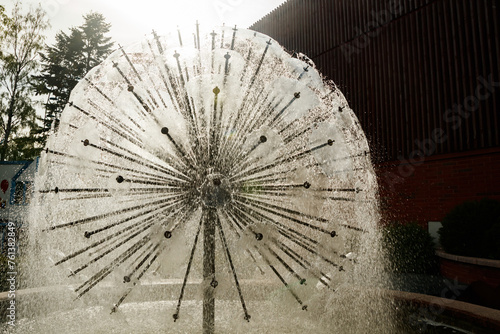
[427,188]
[468,273]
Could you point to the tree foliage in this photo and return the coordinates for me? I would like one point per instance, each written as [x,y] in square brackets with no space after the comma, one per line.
[66,62]
[3,19]
[96,45]
[472,229]
[62,69]
[410,249]
[21,38]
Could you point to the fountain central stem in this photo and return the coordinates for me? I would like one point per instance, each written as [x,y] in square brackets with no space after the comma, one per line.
[215,192]
[209,281]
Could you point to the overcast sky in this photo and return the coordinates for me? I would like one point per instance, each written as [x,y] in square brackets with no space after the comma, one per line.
[132,19]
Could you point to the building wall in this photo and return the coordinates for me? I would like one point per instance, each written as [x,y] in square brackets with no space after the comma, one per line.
[469,273]
[15,178]
[16,190]
[423,77]
[423,191]
[403,65]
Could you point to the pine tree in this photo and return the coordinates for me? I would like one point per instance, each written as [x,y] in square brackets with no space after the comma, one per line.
[63,68]
[21,39]
[3,18]
[69,59]
[96,45]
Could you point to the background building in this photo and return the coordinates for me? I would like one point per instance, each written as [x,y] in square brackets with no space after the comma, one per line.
[16,191]
[423,78]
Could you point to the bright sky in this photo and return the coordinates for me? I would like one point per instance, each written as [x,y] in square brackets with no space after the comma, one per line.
[132,19]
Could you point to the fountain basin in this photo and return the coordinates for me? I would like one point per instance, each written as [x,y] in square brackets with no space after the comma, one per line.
[470,318]
[150,309]
[411,313]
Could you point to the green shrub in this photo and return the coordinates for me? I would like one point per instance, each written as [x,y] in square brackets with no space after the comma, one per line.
[472,229]
[409,249]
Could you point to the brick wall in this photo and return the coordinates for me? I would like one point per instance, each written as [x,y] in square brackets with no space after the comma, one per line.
[468,273]
[427,188]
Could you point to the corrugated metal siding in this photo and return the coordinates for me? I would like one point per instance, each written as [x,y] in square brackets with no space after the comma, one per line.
[401,78]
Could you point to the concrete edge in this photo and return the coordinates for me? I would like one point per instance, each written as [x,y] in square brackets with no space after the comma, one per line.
[467,259]
[480,315]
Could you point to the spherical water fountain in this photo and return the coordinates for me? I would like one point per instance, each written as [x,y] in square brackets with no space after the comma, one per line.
[206,184]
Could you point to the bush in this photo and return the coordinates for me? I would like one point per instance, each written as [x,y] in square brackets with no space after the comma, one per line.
[472,229]
[410,249]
